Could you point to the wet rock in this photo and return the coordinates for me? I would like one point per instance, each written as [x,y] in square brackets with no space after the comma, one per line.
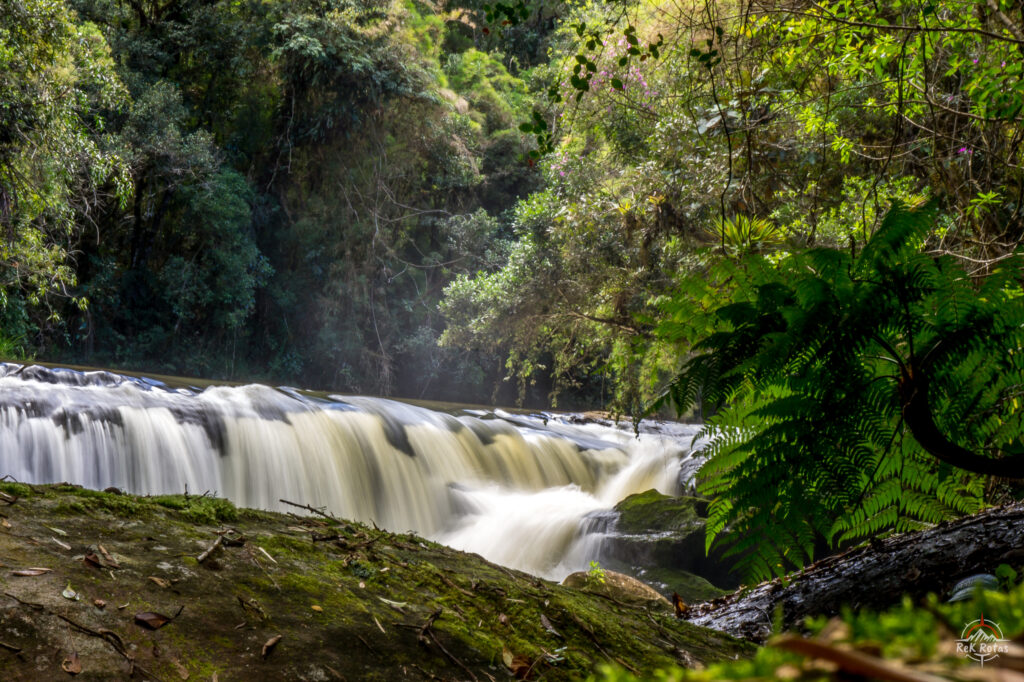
[660,539]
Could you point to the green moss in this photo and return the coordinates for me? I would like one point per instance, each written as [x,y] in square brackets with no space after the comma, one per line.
[651,512]
[200,510]
[171,501]
[121,505]
[16,489]
[692,588]
[71,508]
[283,546]
[86,501]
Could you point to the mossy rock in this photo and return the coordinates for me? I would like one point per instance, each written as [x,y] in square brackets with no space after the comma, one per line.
[349,602]
[654,512]
[618,587]
[660,539]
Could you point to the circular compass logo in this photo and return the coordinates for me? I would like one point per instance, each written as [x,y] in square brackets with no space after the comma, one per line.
[982,640]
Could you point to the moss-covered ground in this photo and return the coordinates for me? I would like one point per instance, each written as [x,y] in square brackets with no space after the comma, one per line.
[349,602]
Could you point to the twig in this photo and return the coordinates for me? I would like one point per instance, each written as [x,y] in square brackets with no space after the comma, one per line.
[853,662]
[625,665]
[426,674]
[209,550]
[426,632]
[367,645]
[451,657]
[422,638]
[10,647]
[37,607]
[590,633]
[108,636]
[447,581]
[537,660]
[319,512]
[359,545]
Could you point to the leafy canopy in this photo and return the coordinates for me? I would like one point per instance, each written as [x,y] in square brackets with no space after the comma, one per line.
[857,393]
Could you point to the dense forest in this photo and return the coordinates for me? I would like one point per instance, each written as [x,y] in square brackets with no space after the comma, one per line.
[511,202]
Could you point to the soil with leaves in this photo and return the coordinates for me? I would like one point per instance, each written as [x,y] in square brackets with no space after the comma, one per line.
[102,585]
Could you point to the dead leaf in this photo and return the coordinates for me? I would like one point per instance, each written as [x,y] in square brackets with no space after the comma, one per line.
[518,665]
[151,620]
[99,603]
[503,619]
[110,559]
[70,593]
[270,644]
[680,606]
[63,545]
[31,572]
[160,581]
[58,531]
[5,523]
[182,670]
[71,665]
[317,608]
[91,559]
[549,627]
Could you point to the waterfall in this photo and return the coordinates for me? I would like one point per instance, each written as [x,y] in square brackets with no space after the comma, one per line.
[513,488]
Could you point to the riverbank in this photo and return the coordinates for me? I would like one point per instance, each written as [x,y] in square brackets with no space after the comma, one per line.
[238,594]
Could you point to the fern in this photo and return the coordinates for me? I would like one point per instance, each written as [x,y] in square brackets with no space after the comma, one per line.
[855,395]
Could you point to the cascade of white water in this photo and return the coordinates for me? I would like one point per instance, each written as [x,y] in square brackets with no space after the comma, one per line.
[514,489]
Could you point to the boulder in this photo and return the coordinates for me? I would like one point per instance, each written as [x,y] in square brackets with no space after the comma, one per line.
[660,539]
[618,586]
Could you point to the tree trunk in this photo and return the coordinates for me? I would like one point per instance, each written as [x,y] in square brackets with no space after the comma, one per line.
[875,575]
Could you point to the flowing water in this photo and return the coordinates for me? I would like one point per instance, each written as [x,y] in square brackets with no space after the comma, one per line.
[520,490]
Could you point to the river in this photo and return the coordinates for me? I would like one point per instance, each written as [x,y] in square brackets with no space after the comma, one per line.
[518,489]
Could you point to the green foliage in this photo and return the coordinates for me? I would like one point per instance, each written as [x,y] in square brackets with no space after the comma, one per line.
[57,85]
[743,234]
[595,574]
[905,634]
[856,393]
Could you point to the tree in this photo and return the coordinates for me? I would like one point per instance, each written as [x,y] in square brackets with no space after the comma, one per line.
[857,393]
[57,86]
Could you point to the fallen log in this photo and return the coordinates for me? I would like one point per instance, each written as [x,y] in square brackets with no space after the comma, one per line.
[874,575]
